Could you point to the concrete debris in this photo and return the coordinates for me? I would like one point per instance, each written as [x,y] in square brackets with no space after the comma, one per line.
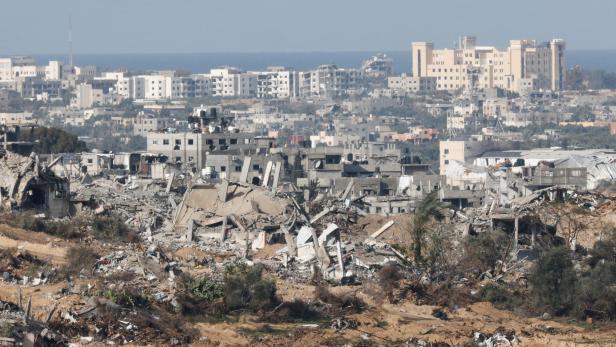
[382,229]
[28,184]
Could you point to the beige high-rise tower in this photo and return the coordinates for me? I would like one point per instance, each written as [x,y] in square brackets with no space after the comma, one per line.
[523,66]
[559,67]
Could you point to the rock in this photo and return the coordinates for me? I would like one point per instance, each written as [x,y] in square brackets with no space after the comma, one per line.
[546,316]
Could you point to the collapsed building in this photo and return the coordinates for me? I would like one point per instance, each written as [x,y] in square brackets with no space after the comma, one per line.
[27,184]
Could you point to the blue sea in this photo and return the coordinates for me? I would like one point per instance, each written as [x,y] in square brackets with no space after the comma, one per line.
[203,62]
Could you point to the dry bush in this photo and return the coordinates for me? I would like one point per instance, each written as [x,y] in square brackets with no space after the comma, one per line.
[121,276]
[245,288]
[112,229]
[482,252]
[348,303]
[80,258]
[293,311]
[389,279]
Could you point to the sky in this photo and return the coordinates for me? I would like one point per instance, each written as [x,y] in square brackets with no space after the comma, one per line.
[203,26]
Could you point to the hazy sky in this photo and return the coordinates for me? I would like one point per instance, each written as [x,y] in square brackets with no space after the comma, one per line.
[183,26]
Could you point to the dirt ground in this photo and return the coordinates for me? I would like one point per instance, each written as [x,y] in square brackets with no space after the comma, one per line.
[41,245]
[380,322]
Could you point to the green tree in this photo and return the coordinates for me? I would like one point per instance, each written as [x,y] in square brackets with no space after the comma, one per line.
[430,209]
[52,140]
[553,281]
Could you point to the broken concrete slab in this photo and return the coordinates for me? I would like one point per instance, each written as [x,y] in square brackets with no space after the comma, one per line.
[331,227]
[222,190]
[306,253]
[169,182]
[382,229]
[267,173]
[304,234]
[259,242]
[320,215]
[276,176]
[245,169]
[189,230]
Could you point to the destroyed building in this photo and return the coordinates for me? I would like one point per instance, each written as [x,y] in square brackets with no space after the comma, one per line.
[27,184]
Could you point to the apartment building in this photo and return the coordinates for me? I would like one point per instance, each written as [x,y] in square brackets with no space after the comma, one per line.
[192,147]
[327,80]
[17,118]
[145,123]
[231,82]
[523,66]
[86,96]
[277,83]
[411,84]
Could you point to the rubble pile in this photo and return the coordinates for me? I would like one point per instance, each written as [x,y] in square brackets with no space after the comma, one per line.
[21,267]
[26,183]
[135,287]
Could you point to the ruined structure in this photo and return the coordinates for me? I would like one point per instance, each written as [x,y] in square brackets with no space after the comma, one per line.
[25,183]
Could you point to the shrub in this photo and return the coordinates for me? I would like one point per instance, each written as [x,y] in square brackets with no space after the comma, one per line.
[597,293]
[80,258]
[500,296]
[346,303]
[553,281]
[483,251]
[389,279]
[112,229]
[293,311]
[245,288]
[604,250]
[127,297]
[204,289]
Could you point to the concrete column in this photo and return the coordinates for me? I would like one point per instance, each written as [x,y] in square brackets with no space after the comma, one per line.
[515,236]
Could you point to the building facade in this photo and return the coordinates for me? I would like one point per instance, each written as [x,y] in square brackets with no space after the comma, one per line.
[523,66]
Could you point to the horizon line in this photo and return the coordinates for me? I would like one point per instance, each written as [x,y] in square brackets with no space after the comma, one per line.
[259,52]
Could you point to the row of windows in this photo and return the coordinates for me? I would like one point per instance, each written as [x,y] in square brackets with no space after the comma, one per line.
[190,142]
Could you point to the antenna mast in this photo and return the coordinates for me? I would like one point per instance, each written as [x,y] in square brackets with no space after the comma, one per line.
[70,41]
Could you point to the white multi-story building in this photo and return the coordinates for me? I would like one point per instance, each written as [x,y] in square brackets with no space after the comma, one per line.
[411,84]
[53,70]
[328,80]
[231,82]
[277,83]
[13,68]
[86,96]
[523,66]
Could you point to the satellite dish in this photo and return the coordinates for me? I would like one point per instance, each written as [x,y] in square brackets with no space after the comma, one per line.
[318,164]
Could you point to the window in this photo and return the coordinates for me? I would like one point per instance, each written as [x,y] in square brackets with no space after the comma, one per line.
[446,150]
[446,162]
[165,141]
[223,169]
[190,141]
[256,167]
[233,141]
[154,142]
[238,169]
[222,141]
[178,142]
[90,161]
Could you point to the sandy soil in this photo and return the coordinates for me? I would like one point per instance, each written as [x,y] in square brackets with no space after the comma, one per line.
[43,246]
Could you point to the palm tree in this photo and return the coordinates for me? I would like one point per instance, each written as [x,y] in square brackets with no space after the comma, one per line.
[428,210]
